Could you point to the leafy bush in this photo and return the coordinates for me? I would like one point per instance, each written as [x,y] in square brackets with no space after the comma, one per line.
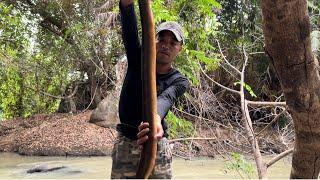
[179,128]
[240,165]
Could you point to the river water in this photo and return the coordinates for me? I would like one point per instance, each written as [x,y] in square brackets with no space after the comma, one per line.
[14,166]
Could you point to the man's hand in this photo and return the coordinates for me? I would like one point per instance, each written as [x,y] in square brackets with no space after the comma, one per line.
[126,3]
[144,130]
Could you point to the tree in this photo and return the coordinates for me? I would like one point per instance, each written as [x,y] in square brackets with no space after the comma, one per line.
[70,53]
[286,27]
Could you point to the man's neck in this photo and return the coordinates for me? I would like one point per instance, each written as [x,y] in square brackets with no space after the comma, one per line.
[163,68]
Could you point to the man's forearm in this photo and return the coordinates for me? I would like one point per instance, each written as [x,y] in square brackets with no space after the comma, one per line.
[126,3]
[130,34]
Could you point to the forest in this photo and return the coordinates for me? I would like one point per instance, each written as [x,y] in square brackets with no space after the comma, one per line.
[252,66]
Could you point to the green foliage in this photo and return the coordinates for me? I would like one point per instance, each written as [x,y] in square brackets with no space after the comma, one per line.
[315,41]
[1,115]
[313,6]
[9,92]
[314,11]
[179,128]
[48,62]
[211,63]
[283,121]
[248,88]
[200,26]
[13,44]
[162,13]
[241,27]
[27,71]
[41,61]
[188,66]
[207,5]
[241,166]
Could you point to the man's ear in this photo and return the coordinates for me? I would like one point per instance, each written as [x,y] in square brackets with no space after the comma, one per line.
[180,48]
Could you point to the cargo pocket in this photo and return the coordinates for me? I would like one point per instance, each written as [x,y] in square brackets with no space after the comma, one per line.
[162,169]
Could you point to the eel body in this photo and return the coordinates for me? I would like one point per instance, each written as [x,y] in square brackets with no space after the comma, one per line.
[149,94]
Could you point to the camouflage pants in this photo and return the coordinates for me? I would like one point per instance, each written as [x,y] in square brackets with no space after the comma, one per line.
[126,155]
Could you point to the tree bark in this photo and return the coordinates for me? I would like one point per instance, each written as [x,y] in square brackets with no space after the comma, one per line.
[286,27]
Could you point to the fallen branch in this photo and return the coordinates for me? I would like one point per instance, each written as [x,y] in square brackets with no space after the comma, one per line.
[183,157]
[280,156]
[187,139]
[261,103]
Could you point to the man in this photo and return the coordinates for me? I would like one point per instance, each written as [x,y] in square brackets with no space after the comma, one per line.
[170,85]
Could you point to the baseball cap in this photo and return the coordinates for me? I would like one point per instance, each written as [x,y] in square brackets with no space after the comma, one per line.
[174,27]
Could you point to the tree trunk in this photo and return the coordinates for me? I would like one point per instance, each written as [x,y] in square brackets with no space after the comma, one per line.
[286,27]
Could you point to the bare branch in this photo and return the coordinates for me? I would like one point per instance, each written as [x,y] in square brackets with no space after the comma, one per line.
[106,6]
[183,157]
[256,53]
[206,120]
[220,85]
[225,59]
[53,96]
[195,138]
[261,167]
[56,32]
[280,156]
[261,103]
[274,120]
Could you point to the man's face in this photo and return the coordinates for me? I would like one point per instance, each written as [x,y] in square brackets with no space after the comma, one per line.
[167,47]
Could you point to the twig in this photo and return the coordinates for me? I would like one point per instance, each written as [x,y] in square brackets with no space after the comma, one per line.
[53,96]
[183,157]
[106,6]
[280,156]
[220,124]
[186,139]
[257,53]
[216,149]
[274,120]
[92,99]
[220,85]
[226,59]
[261,103]
[194,116]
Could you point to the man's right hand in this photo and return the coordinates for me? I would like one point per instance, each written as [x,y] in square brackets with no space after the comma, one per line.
[144,129]
[143,133]
[126,3]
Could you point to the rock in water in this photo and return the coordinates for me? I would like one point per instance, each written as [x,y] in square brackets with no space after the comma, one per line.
[44,168]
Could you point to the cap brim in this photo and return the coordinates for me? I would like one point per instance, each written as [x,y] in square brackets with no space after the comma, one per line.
[176,34]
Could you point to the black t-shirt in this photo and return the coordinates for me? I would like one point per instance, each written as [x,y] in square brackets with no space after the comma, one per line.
[170,86]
